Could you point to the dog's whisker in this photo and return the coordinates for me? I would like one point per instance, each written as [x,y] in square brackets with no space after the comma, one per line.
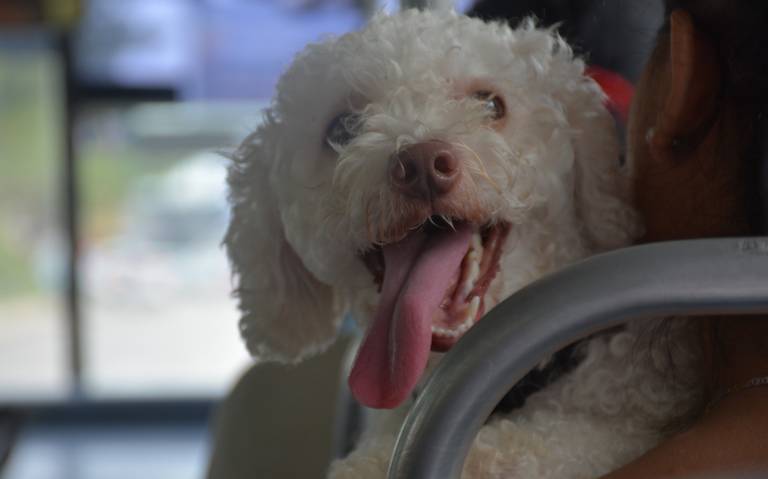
[483,172]
[401,142]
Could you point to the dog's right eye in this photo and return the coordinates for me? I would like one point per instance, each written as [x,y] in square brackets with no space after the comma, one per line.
[493,103]
[342,129]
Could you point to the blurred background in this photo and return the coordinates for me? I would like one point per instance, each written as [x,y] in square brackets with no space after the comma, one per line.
[117,331]
[118,336]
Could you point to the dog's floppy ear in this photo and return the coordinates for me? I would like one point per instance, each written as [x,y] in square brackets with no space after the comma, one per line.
[287,314]
[603,184]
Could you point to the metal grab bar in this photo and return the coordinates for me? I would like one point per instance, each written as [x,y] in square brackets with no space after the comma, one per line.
[697,277]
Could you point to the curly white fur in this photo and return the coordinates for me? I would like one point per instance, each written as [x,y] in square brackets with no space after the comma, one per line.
[303,211]
[613,407]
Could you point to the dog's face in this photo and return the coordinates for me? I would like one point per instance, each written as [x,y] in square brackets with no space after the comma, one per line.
[415,174]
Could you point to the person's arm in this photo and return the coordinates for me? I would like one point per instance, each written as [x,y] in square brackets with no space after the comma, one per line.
[732,435]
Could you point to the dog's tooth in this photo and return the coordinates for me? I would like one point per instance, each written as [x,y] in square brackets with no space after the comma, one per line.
[469,319]
[477,242]
[471,275]
[474,271]
[440,331]
[474,306]
[445,332]
[471,265]
[449,333]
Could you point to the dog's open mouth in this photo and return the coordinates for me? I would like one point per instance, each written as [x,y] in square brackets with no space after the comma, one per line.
[463,302]
[433,284]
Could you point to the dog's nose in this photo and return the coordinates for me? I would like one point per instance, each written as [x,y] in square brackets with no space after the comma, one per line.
[425,170]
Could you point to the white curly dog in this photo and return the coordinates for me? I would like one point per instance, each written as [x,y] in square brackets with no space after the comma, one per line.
[414,174]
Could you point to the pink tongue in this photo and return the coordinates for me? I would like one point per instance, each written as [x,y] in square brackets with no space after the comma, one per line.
[418,271]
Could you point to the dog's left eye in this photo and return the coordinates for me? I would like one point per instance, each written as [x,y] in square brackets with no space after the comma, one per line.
[342,129]
[493,103]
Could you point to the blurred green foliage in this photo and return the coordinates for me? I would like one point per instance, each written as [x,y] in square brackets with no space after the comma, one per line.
[30,140]
[117,145]
[107,172]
